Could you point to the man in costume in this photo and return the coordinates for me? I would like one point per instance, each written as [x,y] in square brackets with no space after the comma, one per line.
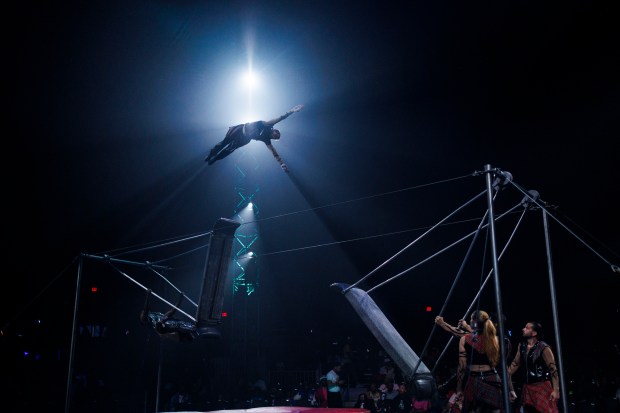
[240,135]
[540,382]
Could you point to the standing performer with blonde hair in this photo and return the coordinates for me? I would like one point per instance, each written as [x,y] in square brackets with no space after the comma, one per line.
[479,354]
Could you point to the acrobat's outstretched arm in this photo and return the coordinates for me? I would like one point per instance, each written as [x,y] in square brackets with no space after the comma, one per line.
[278,157]
[286,115]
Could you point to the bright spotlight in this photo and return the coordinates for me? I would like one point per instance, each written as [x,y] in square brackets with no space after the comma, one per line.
[250,80]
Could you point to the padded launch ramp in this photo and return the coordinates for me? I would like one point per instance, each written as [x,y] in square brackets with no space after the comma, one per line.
[209,312]
[392,342]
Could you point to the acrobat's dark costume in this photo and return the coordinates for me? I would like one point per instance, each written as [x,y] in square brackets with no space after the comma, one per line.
[238,136]
[163,325]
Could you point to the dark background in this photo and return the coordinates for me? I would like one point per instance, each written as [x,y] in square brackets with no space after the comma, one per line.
[112,107]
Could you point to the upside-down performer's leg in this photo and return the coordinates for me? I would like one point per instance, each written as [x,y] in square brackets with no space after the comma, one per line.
[209,312]
[387,336]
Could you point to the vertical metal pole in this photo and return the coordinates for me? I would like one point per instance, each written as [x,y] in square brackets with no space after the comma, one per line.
[73,334]
[554,306]
[498,296]
[161,353]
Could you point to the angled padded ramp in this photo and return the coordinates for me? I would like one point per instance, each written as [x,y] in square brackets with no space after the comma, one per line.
[209,312]
[392,342]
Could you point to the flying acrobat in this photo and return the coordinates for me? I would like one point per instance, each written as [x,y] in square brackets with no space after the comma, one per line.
[240,135]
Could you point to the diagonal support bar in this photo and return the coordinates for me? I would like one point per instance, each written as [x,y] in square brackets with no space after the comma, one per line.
[385,333]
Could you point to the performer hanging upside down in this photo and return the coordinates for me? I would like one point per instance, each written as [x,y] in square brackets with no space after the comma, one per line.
[165,325]
[240,135]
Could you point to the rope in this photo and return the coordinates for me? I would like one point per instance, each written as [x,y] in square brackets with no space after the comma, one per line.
[180,255]
[151,246]
[434,255]
[414,241]
[359,199]
[327,244]
[543,205]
